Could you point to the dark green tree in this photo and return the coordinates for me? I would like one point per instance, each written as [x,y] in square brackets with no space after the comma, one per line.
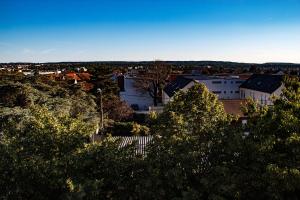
[35,149]
[185,134]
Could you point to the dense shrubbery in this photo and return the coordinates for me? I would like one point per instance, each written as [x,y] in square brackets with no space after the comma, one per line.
[128,129]
[198,152]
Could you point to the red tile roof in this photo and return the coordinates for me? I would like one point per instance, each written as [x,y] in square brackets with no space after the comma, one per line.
[85,76]
[73,76]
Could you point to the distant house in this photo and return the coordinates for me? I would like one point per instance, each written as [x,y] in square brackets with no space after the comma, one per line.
[224,87]
[261,87]
[84,76]
[28,72]
[180,83]
[72,76]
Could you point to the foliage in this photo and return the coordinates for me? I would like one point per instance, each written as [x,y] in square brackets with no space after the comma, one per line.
[194,112]
[186,133]
[198,152]
[44,156]
[116,109]
[224,160]
[103,171]
[38,148]
[59,100]
[271,151]
[122,128]
[138,129]
[128,129]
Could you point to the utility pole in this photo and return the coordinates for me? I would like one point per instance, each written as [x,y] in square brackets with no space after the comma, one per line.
[99,91]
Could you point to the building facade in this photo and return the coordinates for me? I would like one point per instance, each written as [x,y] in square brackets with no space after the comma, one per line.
[261,88]
[224,87]
[138,100]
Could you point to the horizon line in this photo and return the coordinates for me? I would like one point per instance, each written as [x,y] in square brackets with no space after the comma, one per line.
[139,61]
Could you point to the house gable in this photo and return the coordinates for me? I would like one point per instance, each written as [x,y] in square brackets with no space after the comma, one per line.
[263,83]
[174,86]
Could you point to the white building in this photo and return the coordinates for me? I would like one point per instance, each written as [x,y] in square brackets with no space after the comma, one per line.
[225,87]
[261,88]
[138,100]
[31,72]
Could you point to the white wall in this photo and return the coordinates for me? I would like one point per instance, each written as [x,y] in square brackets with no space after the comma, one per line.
[223,87]
[165,98]
[133,96]
[262,98]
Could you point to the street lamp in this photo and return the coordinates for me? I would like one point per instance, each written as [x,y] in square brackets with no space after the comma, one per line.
[99,91]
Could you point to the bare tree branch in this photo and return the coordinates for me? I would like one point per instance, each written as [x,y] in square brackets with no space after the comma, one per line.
[153,79]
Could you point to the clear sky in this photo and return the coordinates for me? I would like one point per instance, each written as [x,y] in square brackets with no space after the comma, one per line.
[134,30]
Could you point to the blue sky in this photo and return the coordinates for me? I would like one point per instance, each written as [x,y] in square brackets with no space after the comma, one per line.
[134,30]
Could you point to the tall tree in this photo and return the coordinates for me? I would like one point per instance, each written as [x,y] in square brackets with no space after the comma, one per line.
[153,79]
[269,164]
[35,148]
[185,134]
[260,160]
[198,110]
[116,109]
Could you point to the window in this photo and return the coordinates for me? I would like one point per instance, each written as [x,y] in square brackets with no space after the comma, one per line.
[231,92]
[216,82]
[224,92]
[239,82]
[217,92]
[237,92]
[225,82]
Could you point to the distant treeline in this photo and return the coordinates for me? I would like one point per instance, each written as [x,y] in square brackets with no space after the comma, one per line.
[179,64]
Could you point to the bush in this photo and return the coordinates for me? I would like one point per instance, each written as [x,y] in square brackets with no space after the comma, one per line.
[138,129]
[122,128]
[128,129]
[140,118]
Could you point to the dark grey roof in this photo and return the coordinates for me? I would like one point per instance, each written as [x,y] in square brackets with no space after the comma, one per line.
[263,83]
[179,83]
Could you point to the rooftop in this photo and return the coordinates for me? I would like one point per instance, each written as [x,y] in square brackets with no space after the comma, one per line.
[263,83]
[179,83]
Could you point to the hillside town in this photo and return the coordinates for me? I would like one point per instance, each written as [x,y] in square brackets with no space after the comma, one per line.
[231,86]
[149,100]
[157,122]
